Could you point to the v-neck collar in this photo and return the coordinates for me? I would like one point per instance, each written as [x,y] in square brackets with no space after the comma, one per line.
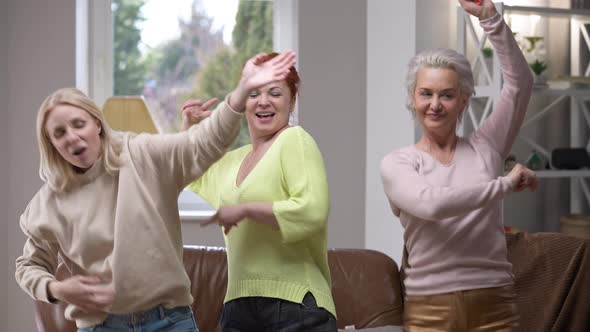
[256,166]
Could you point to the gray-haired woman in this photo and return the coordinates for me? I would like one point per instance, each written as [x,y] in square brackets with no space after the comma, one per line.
[447,190]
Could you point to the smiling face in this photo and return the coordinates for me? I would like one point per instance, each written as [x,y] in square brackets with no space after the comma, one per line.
[75,134]
[268,109]
[438,101]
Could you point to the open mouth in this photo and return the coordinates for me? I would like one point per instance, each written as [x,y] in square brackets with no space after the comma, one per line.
[264,115]
[78,151]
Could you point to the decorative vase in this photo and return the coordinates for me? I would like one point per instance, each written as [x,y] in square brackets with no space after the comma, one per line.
[535,161]
[539,80]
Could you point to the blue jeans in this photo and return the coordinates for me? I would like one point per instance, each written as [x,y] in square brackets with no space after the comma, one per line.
[265,314]
[159,319]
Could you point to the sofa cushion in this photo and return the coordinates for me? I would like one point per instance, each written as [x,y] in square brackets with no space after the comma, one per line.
[365,286]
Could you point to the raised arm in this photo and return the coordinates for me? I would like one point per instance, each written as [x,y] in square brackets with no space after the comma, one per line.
[501,128]
[408,192]
[179,158]
[257,72]
[185,156]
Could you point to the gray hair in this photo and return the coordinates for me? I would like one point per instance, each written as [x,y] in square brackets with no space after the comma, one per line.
[439,58]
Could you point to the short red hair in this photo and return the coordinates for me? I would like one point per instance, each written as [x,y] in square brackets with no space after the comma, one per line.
[292,78]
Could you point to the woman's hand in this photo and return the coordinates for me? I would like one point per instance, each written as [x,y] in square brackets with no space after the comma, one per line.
[195,111]
[522,178]
[481,9]
[258,72]
[90,294]
[227,216]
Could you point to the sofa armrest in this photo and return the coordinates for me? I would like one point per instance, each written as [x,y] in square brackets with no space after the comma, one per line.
[366,288]
[552,281]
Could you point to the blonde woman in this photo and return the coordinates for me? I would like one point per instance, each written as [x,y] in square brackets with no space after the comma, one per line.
[108,208]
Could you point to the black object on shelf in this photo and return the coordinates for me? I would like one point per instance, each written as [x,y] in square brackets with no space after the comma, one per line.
[570,158]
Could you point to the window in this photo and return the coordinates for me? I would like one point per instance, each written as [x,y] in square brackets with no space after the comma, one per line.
[193,49]
[172,51]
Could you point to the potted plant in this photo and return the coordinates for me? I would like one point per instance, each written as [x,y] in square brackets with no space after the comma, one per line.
[533,48]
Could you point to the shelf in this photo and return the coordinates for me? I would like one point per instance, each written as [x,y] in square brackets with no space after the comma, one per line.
[571,88]
[525,10]
[549,174]
[575,92]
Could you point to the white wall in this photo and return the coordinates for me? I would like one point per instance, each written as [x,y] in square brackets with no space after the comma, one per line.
[440,31]
[332,62]
[396,31]
[4,144]
[390,44]
[41,58]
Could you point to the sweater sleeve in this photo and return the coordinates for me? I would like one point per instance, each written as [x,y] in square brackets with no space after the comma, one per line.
[181,157]
[501,127]
[408,192]
[205,186]
[37,265]
[306,210]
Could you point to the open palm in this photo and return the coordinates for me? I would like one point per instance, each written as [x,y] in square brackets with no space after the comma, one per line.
[257,73]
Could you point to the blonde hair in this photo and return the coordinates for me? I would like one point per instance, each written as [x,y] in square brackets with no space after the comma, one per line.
[58,173]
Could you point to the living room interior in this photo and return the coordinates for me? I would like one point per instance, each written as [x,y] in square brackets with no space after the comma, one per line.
[352,56]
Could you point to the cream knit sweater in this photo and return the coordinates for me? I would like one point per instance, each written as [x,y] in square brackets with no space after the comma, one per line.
[124,228]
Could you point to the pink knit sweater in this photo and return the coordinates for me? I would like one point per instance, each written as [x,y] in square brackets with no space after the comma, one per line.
[453,214]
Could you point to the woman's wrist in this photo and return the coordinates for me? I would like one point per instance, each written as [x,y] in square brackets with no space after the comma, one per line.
[508,181]
[237,99]
[488,13]
[53,291]
[259,211]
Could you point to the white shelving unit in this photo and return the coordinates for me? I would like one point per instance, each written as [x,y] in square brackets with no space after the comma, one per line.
[556,174]
[579,14]
[577,96]
[580,115]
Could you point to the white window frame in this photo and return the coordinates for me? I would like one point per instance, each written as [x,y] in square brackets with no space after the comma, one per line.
[94,65]
[285,34]
[94,44]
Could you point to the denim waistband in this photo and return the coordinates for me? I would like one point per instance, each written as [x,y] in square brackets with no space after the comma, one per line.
[147,316]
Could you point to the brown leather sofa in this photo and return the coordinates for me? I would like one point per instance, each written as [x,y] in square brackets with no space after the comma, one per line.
[552,281]
[365,287]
